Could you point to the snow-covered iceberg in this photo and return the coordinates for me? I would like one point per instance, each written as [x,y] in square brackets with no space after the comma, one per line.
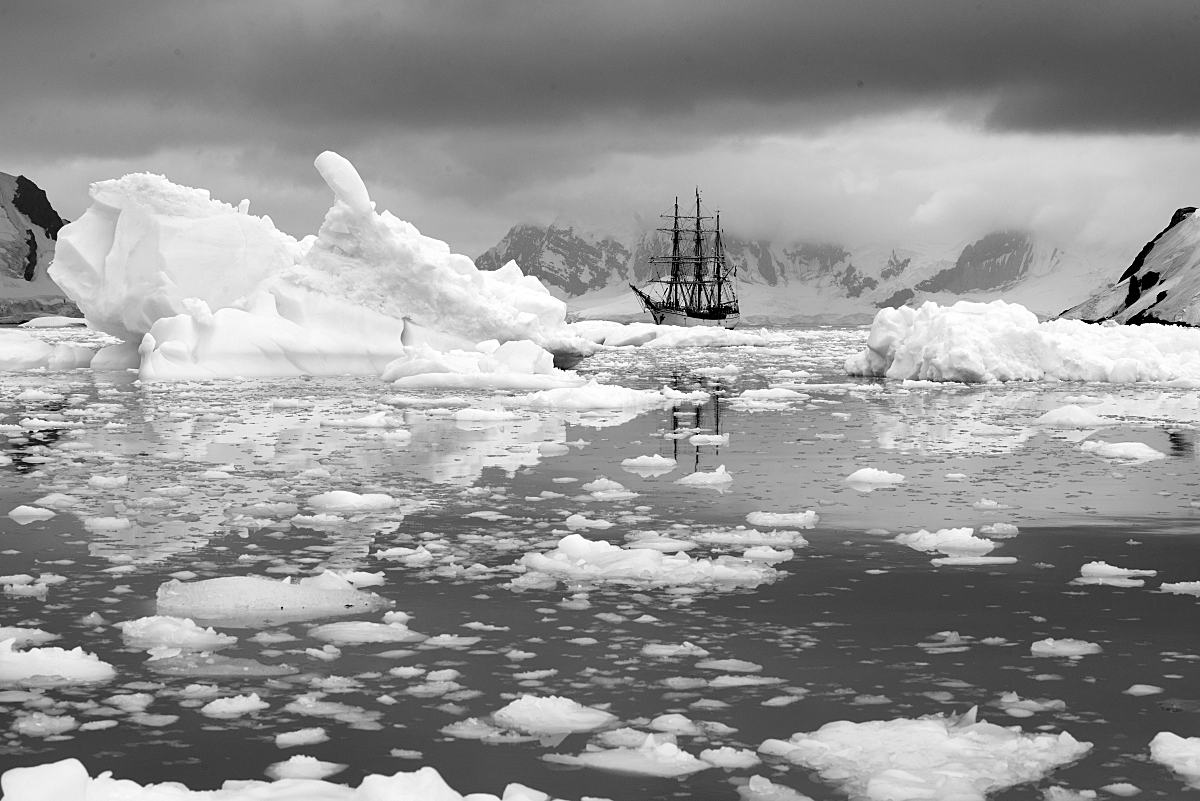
[998,341]
[197,288]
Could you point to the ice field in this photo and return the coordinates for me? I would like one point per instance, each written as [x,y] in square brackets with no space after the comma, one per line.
[771,581]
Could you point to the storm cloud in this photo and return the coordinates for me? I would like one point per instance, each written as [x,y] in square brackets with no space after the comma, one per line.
[486,112]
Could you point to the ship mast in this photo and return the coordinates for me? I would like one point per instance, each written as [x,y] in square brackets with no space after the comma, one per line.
[673,299]
[697,299]
[718,259]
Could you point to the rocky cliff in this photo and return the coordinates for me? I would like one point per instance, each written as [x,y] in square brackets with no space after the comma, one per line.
[1161,285]
[29,228]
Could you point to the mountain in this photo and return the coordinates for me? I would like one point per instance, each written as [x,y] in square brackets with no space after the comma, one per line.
[1161,285]
[29,228]
[804,281]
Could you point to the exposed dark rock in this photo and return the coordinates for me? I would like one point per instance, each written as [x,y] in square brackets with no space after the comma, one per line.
[899,298]
[895,265]
[996,260]
[1179,216]
[31,254]
[855,282]
[31,201]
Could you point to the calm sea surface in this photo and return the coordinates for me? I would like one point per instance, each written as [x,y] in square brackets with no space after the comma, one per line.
[853,626]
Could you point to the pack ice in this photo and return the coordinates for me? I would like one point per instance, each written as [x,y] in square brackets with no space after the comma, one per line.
[197,288]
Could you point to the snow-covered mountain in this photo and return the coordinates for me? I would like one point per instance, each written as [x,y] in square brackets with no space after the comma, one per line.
[804,281]
[28,233]
[1162,285]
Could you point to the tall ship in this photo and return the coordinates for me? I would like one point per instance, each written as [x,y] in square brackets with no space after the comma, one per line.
[695,285]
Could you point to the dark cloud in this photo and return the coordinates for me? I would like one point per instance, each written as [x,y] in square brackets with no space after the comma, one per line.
[486,104]
[1069,64]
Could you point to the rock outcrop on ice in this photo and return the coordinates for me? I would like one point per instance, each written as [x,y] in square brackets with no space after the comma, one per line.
[1162,285]
[29,228]
[805,281]
[197,288]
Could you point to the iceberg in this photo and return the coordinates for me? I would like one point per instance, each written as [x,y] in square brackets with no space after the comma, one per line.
[196,288]
[994,342]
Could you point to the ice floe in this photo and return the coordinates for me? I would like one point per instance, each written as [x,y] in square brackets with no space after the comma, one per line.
[249,599]
[51,666]
[934,757]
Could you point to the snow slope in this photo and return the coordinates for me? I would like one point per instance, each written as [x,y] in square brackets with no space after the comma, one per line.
[29,228]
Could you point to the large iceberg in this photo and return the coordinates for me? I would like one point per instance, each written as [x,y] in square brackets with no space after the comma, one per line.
[197,288]
[998,341]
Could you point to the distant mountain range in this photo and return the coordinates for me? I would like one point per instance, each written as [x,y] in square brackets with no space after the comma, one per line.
[804,281]
[29,228]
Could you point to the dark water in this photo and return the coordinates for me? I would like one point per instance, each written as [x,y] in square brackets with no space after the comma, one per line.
[850,626]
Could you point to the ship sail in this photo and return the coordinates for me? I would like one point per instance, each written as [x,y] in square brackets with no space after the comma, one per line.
[695,284]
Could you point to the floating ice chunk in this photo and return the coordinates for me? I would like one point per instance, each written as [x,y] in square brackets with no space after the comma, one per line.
[743,536]
[23,515]
[357,632]
[730,758]
[648,465]
[1122,789]
[1131,452]
[22,637]
[593,395]
[1181,588]
[972,561]
[1104,573]
[302,766]
[577,520]
[209,665]
[954,541]
[551,715]
[69,779]
[803,520]
[346,501]
[932,757]
[175,632]
[376,420]
[867,479]
[708,439]
[258,599]
[1018,707]
[51,666]
[729,665]
[1069,648]
[1182,755]
[233,707]
[40,724]
[999,530]
[665,650]
[1142,689]
[773,393]
[760,788]
[716,478]
[580,559]
[765,553]
[652,758]
[1071,416]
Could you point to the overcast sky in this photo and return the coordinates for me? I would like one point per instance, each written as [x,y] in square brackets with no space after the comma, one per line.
[885,123]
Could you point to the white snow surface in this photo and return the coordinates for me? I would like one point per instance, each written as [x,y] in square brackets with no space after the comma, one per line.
[959,758]
[197,288]
[992,342]
[174,632]
[69,778]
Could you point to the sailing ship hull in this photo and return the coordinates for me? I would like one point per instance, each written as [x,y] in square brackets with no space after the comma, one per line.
[675,317]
